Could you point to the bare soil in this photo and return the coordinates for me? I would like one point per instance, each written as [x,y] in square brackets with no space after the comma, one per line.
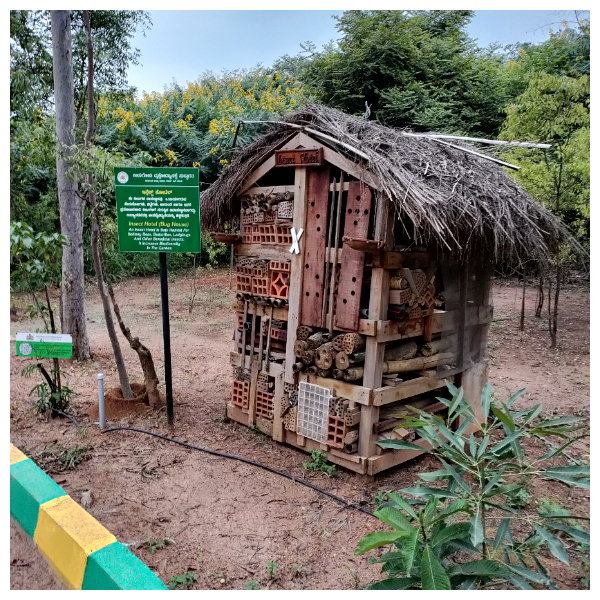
[182,511]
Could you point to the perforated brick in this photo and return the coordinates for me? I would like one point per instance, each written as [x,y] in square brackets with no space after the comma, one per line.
[258,217]
[336,430]
[279,287]
[283,235]
[313,409]
[269,216]
[240,394]
[285,209]
[278,334]
[289,420]
[246,218]
[264,234]
[415,313]
[243,283]
[247,234]
[260,268]
[264,404]
[280,265]
[260,286]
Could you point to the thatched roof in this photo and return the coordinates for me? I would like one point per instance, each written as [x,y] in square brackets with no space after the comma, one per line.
[460,201]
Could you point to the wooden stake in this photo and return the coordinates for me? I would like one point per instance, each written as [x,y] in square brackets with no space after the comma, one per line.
[335,247]
[327,258]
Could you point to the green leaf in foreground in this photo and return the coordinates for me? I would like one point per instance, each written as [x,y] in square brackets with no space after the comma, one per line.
[378,539]
[433,575]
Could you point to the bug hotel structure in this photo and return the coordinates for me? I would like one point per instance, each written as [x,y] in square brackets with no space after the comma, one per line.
[362,266]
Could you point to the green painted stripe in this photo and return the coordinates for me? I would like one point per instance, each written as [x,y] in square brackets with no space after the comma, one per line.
[114,567]
[30,487]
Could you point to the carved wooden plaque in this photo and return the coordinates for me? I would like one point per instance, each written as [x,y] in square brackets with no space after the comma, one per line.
[303,157]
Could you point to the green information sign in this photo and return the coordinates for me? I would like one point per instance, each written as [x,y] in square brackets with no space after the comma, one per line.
[158,209]
[44,345]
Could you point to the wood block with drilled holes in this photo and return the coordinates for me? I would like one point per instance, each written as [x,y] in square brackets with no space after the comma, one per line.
[315,245]
[358,212]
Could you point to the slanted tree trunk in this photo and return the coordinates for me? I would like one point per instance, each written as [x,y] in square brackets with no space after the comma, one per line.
[89,134]
[70,205]
[146,360]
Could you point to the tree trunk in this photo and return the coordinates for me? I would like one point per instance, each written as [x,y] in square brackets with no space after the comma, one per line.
[553,315]
[89,134]
[540,297]
[522,321]
[70,205]
[146,360]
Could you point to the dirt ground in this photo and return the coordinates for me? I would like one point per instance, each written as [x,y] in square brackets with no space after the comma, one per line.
[232,525]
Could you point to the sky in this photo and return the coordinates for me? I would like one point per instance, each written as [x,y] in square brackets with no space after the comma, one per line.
[181,45]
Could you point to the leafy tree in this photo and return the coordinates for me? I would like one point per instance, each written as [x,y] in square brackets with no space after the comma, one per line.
[413,68]
[555,110]
[36,265]
[30,64]
[196,125]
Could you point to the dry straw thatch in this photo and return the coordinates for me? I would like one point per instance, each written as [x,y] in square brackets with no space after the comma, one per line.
[459,201]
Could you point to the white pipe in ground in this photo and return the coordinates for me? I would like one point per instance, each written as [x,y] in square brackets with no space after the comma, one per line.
[101,416]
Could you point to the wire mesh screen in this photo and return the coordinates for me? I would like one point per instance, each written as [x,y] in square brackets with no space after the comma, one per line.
[313,411]
[465,288]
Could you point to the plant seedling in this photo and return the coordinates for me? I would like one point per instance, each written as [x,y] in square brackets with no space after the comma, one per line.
[252,585]
[271,569]
[319,463]
[185,581]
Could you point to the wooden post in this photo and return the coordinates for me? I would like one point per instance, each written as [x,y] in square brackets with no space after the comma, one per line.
[374,352]
[296,271]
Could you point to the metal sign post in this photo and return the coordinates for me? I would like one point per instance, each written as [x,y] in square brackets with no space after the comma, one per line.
[158,210]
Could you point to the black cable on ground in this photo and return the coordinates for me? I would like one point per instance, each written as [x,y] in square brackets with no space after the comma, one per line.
[346,503]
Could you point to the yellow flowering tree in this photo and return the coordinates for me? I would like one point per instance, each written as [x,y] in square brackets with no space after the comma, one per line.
[195,125]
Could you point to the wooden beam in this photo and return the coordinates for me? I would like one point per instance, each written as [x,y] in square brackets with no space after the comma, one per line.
[389,331]
[273,189]
[268,252]
[272,369]
[374,351]
[354,393]
[376,464]
[407,389]
[280,313]
[296,271]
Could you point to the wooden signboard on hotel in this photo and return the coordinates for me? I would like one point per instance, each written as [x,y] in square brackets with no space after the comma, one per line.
[303,157]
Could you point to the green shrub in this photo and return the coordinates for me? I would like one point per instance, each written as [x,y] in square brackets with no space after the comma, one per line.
[467,514]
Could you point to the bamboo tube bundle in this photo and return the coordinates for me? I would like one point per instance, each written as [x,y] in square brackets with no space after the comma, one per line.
[337,342]
[308,357]
[318,339]
[324,356]
[403,366]
[345,361]
[300,346]
[353,342]
[338,374]
[298,367]
[313,370]
[304,332]
[338,406]
[324,372]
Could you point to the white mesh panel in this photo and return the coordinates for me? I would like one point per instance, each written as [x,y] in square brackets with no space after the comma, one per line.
[313,411]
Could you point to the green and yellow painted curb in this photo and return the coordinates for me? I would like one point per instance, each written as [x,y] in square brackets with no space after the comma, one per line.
[84,554]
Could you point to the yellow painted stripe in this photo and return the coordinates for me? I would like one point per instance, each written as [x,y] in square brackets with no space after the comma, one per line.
[66,535]
[16,455]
